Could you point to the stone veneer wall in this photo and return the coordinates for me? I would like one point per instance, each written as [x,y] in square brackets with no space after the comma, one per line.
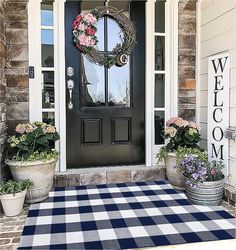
[16,70]
[187,59]
[2,84]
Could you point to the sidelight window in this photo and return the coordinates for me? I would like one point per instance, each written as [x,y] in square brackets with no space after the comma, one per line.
[47,62]
[101,86]
[160,72]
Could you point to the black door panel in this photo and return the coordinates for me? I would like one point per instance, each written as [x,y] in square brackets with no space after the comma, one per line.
[106,125]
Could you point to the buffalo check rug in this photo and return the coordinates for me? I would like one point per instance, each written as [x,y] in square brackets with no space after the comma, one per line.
[122,216]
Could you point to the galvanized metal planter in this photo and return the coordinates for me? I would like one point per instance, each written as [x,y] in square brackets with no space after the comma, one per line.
[208,193]
[175,177]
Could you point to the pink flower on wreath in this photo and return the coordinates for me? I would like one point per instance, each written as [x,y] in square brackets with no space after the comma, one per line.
[90,18]
[83,39]
[90,31]
[82,27]
[91,42]
[86,40]
[77,21]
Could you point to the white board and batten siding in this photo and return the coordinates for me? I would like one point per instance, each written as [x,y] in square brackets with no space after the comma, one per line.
[217,37]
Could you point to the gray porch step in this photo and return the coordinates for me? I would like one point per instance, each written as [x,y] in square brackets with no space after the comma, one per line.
[105,175]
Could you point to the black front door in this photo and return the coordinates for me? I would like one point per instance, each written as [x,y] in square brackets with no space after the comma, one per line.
[106,124]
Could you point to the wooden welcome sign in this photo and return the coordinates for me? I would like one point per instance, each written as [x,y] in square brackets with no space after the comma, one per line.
[218,107]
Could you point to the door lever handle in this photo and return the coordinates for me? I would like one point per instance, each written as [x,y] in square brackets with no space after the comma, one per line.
[70,86]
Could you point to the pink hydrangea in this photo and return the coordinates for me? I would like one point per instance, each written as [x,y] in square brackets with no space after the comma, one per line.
[20,128]
[194,125]
[172,120]
[49,129]
[30,128]
[178,121]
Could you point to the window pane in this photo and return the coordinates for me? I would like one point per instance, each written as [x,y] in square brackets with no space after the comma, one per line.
[159,53]
[49,118]
[48,89]
[100,34]
[117,36]
[93,84]
[47,14]
[159,91]
[47,48]
[119,86]
[159,127]
[160,16]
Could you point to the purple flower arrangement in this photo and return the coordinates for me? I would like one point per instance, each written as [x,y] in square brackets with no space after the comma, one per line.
[196,170]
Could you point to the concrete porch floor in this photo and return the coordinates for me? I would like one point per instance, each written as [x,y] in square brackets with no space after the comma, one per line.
[12,227]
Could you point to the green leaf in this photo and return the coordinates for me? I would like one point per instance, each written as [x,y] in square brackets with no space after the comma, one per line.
[42,140]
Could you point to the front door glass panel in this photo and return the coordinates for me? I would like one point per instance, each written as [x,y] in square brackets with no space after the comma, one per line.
[92,84]
[119,86]
[101,86]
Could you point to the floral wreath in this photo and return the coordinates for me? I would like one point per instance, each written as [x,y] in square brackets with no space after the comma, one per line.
[84,33]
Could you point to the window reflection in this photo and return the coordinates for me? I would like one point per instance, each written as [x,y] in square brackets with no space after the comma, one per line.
[93,84]
[47,48]
[160,16]
[100,34]
[48,89]
[47,14]
[160,53]
[159,91]
[117,36]
[49,118]
[119,86]
[159,127]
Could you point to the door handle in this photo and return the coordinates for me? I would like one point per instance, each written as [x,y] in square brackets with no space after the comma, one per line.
[70,86]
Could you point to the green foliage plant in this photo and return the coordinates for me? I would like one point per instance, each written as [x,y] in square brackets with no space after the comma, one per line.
[33,141]
[13,187]
[183,136]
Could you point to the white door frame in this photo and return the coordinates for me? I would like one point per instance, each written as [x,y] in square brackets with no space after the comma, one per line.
[171,72]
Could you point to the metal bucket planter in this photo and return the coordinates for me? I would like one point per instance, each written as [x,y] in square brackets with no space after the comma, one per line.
[40,172]
[208,193]
[176,178]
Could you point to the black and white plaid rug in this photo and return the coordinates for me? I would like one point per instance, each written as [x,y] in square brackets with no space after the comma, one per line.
[122,216]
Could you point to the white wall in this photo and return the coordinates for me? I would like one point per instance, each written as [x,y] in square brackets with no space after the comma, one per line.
[217,33]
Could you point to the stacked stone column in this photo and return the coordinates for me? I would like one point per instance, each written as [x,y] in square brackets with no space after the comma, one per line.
[16,70]
[2,84]
[187,59]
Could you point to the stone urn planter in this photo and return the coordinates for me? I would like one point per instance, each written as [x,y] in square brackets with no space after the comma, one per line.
[13,203]
[176,178]
[208,193]
[39,172]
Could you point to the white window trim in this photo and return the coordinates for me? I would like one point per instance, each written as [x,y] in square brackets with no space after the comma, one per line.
[171,71]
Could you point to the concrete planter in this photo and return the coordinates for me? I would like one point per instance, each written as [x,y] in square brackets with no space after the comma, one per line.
[40,172]
[208,193]
[13,204]
[176,178]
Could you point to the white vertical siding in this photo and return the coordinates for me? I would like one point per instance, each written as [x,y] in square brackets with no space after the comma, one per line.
[217,33]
